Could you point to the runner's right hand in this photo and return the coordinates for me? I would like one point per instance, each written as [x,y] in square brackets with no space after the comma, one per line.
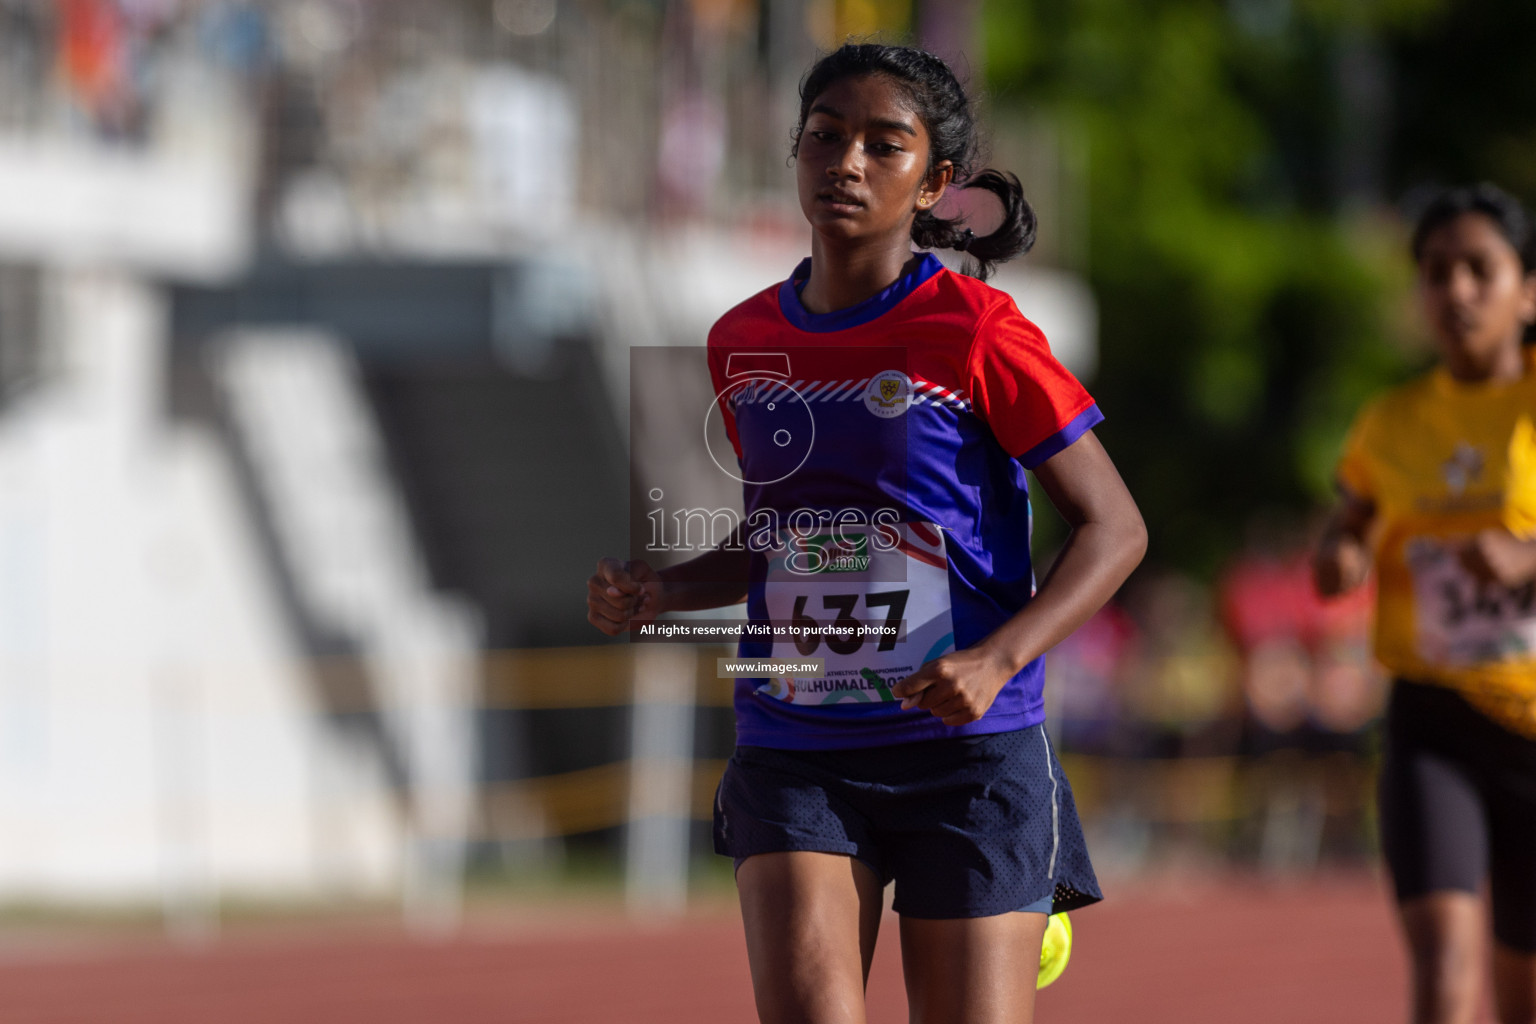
[622,595]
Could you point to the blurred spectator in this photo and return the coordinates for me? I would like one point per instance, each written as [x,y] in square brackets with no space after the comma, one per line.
[1310,693]
[1170,789]
[1085,682]
[92,61]
[1205,722]
[1182,693]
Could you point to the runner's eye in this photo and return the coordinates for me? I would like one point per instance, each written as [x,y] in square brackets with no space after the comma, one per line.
[1487,267]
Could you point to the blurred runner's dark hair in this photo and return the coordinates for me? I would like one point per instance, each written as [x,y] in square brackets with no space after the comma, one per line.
[1492,202]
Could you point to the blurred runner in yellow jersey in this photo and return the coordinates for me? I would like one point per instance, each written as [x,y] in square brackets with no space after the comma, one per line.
[1520,492]
[1438,490]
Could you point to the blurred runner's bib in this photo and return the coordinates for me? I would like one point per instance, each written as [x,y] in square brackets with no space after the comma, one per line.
[872,602]
[1460,620]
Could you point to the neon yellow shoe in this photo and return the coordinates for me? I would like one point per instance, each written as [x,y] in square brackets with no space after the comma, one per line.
[1055,950]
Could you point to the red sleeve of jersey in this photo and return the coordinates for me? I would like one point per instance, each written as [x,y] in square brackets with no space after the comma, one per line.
[718,359]
[1033,405]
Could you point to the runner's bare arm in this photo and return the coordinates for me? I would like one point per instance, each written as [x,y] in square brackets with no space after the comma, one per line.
[715,579]
[1342,560]
[1107,541]
[622,595]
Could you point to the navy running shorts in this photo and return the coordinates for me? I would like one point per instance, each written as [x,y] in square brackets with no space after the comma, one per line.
[966,827]
[1458,806]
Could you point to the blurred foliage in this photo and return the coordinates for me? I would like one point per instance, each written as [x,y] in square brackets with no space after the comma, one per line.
[1466,99]
[1238,162]
[862,18]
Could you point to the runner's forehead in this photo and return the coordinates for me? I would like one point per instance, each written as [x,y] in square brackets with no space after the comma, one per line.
[1470,235]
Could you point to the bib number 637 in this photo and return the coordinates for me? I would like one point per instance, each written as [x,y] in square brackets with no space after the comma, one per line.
[846,635]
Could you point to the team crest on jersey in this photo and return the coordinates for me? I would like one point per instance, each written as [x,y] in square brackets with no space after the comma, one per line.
[1462,469]
[888,394]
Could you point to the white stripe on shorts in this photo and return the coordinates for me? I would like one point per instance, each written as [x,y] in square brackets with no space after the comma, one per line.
[1050,871]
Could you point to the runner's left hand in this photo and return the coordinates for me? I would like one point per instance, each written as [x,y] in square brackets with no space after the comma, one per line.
[957,688]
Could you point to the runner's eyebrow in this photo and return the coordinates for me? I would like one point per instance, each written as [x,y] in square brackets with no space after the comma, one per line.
[878,122]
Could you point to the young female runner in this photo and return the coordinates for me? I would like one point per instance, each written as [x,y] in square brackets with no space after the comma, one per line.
[918,758]
[1434,485]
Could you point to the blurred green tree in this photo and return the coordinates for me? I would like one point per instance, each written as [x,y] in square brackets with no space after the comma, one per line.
[1234,163]
[1465,103]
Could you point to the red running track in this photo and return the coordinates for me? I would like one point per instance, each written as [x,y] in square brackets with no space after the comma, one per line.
[1323,952]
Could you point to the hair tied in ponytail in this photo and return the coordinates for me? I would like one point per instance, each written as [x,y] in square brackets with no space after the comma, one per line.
[964,243]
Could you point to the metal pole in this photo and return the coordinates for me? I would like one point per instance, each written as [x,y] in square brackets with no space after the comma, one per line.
[661,779]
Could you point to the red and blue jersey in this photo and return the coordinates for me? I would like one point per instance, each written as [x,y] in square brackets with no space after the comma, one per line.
[882,451]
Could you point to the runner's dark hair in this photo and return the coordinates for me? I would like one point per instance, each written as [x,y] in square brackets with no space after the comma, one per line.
[939,99]
[1445,205]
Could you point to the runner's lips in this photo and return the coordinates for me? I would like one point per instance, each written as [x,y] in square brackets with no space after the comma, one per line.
[1460,323]
[839,198]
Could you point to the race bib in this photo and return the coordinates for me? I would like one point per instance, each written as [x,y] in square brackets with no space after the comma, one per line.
[871,602]
[1460,620]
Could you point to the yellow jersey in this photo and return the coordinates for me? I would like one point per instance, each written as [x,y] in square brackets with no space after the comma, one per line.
[1441,460]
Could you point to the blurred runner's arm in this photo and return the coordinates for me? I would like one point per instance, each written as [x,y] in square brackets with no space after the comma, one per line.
[1496,554]
[1342,560]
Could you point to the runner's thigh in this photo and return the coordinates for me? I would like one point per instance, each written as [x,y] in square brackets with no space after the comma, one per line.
[811,921]
[978,970]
